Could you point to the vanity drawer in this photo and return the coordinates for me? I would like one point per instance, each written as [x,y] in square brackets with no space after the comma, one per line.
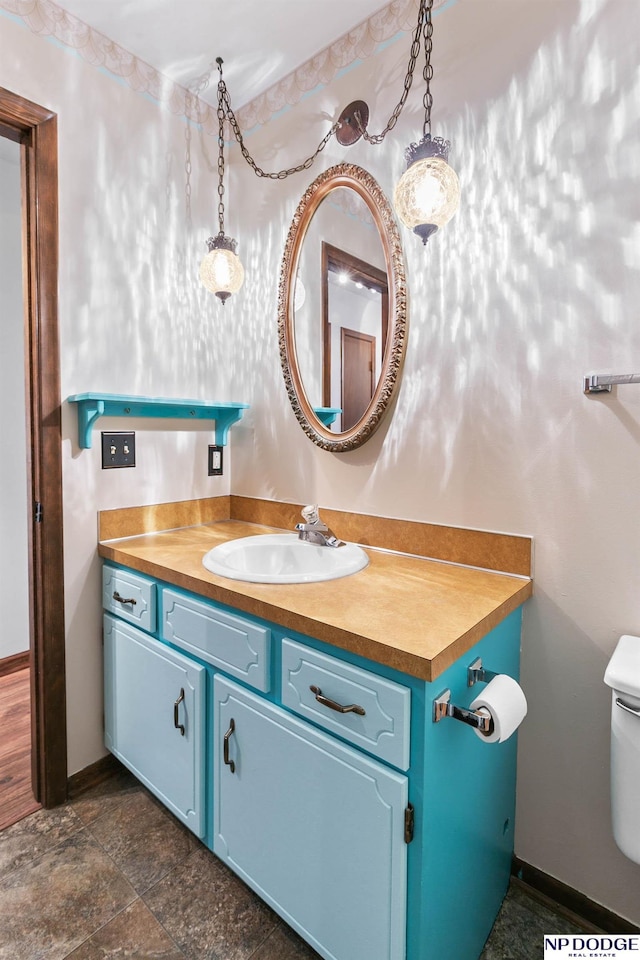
[130,596]
[234,644]
[383,728]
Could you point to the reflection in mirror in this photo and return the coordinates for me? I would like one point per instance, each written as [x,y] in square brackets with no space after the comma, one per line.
[342,344]
[355,319]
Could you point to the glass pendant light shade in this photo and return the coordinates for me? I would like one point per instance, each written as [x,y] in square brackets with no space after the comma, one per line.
[221,271]
[428,193]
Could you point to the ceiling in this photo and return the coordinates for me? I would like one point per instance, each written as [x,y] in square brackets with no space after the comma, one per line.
[260,41]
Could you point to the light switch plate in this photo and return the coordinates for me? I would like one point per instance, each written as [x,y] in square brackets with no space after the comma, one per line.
[118,449]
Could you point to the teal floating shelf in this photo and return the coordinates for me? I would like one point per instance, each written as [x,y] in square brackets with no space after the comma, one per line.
[91,406]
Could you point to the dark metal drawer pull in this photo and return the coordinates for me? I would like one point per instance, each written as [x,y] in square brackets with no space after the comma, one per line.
[178,726]
[229,763]
[116,596]
[350,708]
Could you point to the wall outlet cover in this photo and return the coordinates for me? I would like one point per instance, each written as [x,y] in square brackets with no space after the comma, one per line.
[215,461]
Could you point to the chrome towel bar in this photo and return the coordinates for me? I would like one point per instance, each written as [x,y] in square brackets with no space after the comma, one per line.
[602,383]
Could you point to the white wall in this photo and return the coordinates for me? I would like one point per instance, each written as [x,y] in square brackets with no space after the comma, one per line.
[14,569]
[133,319]
[534,284]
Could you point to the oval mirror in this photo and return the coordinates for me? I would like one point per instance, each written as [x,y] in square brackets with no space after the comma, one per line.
[342,308]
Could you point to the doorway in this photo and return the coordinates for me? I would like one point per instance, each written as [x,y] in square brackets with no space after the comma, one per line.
[34,128]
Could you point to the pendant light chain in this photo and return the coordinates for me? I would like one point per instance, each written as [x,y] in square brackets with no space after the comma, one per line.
[223,94]
[192,102]
[423,30]
[427,72]
[425,198]
[424,12]
[221,108]
[187,162]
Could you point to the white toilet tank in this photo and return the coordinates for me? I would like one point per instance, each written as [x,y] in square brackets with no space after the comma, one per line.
[623,676]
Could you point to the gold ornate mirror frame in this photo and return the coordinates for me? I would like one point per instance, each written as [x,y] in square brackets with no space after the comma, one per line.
[355,178]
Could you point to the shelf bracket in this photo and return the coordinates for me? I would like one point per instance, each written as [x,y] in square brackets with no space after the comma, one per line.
[88,413]
[223,422]
[327,415]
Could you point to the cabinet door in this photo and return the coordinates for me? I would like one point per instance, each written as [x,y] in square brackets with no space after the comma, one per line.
[154,718]
[312,825]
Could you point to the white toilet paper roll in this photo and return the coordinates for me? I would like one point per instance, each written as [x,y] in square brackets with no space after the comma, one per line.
[503,700]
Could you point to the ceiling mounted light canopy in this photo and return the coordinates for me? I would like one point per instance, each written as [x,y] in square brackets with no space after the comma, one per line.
[426,196]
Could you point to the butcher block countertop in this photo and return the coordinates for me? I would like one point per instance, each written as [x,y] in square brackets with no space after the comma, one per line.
[414,614]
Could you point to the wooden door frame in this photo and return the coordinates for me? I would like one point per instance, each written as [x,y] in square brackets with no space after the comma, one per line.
[36,129]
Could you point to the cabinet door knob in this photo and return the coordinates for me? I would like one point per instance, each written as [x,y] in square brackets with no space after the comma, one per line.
[229,763]
[349,708]
[178,726]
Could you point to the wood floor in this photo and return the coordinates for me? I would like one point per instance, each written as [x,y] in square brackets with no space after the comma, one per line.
[16,798]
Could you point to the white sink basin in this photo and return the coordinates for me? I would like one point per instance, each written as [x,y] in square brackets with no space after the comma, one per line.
[283,558]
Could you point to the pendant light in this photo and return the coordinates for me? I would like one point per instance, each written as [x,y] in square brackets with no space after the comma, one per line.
[428,193]
[221,271]
[426,196]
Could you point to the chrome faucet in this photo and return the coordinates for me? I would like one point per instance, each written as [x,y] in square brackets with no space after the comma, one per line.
[314,530]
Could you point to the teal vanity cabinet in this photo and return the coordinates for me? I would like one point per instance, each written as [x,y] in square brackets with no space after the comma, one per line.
[154,706]
[318,776]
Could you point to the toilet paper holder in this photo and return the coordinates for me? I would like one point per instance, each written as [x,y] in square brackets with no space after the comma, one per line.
[442,706]
[476,673]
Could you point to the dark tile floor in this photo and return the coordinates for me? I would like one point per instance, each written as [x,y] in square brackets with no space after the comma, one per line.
[112,874]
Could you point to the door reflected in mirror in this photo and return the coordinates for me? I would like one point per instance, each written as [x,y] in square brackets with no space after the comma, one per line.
[355,319]
[342,321]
